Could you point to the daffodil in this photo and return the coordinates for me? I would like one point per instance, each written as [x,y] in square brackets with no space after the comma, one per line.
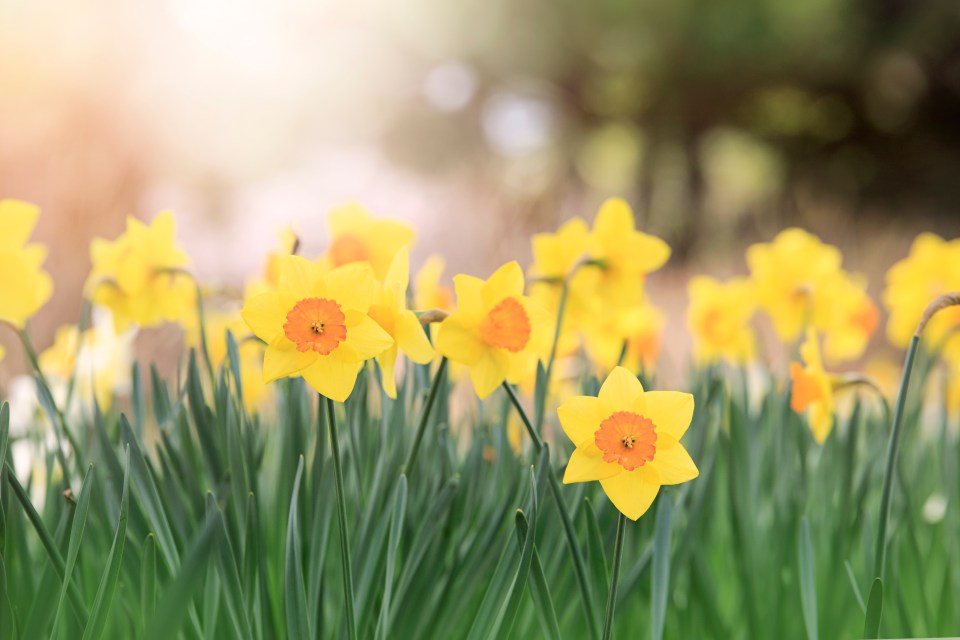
[427,291]
[635,332]
[847,316]
[555,255]
[99,360]
[812,388]
[25,286]
[625,256]
[249,351]
[787,275]
[931,269]
[389,310]
[719,319]
[316,325]
[140,276]
[496,331]
[287,245]
[629,440]
[356,236]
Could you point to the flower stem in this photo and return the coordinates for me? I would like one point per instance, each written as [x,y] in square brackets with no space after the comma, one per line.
[614,578]
[578,564]
[342,520]
[425,417]
[561,308]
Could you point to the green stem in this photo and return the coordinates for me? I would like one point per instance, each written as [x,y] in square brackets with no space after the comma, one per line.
[425,417]
[342,520]
[614,578]
[203,333]
[888,474]
[82,325]
[561,308]
[578,564]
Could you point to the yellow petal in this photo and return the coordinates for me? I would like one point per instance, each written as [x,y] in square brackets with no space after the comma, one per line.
[412,339]
[353,285]
[387,361]
[489,372]
[632,492]
[266,314]
[398,275]
[506,282]
[620,392]
[366,340]
[458,342]
[282,359]
[580,418]
[17,220]
[586,464]
[670,411]
[332,377]
[297,276]
[673,463]
[469,298]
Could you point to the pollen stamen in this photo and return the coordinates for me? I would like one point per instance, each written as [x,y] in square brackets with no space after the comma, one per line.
[627,438]
[316,324]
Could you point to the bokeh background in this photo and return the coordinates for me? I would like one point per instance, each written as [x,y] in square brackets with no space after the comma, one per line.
[481,123]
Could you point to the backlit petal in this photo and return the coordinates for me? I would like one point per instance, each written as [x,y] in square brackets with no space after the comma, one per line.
[671,411]
[632,492]
[619,392]
[580,418]
[489,372]
[332,377]
[282,359]
[674,464]
[459,343]
[506,282]
[353,285]
[586,464]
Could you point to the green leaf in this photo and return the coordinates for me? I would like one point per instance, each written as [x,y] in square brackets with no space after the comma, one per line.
[808,580]
[396,528]
[76,536]
[596,558]
[148,579]
[177,597]
[855,586]
[295,598]
[539,588]
[230,577]
[871,624]
[660,575]
[108,582]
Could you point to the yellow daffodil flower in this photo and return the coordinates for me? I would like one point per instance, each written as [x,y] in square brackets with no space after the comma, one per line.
[99,360]
[719,319]
[847,316]
[812,389]
[389,310]
[640,327]
[931,269]
[556,254]
[629,440]
[139,276]
[316,325]
[624,254]
[288,242]
[496,330]
[787,275]
[427,292]
[25,286]
[356,236]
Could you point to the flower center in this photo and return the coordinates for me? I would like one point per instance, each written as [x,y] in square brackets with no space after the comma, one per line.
[348,248]
[316,324]
[805,390]
[627,438]
[506,326]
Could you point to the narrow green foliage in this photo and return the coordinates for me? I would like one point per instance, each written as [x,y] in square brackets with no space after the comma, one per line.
[660,576]
[808,580]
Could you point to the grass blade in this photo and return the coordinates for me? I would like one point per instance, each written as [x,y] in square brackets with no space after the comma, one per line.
[808,580]
[295,597]
[148,579]
[539,588]
[108,583]
[871,624]
[76,536]
[661,567]
[396,528]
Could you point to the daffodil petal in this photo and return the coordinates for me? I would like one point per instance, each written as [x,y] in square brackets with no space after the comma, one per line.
[619,392]
[297,276]
[580,418]
[18,218]
[265,314]
[458,342]
[489,372]
[332,377]
[506,282]
[353,285]
[469,298]
[412,339]
[670,411]
[586,464]
[367,339]
[632,492]
[674,464]
[398,275]
[387,361]
[282,359]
